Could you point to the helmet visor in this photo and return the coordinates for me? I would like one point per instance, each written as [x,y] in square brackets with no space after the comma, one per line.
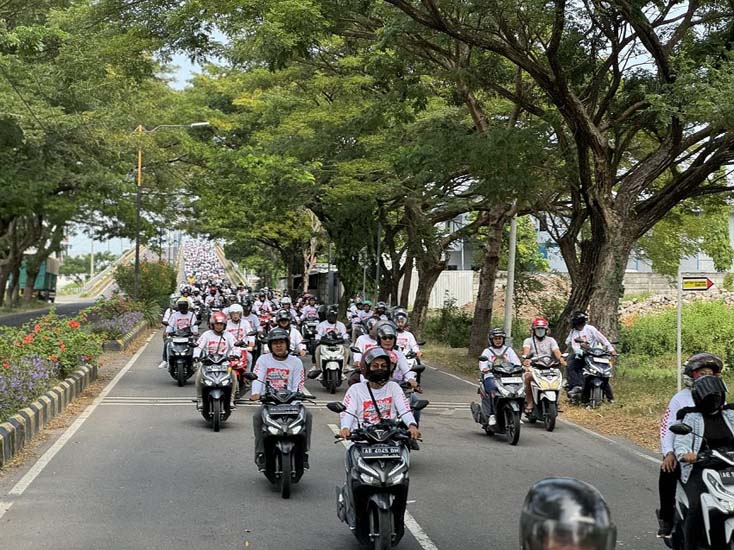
[546,534]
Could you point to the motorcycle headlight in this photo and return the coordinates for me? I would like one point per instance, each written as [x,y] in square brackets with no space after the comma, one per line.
[367,470]
[273,430]
[369,480]
[398,473]
[295,430]
[208,382]
[503,391]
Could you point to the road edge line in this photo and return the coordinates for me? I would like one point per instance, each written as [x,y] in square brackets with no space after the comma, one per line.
[410,522]
[20,487]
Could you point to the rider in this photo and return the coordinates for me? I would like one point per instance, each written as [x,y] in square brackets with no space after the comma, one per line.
[239,328]
[380,312]
[262,305]
[700,364]
[566,514]
[182,319]
[164,321]
[591,336]
[406,340]
[331,325]
[283,320]
[365,313]
[496,350]
[539,344]
[376,398]
[712,428]
[287,304]
[281,370]
[386,338]
[216,341]
[366,341]
[309,311]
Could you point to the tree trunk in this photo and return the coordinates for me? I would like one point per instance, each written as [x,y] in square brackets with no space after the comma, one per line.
[485,296]
[428,273]
[15,287]
[4,276]
[31,274]
[407,279]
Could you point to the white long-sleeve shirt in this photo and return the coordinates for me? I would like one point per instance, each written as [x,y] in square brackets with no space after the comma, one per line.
[216,344]
[407,342]
[492,353]
[309,312]
[364,343]
[287,373]
[391,403]
[683,398]
[402,372]
[182,321]
[325,326]
[240,330]
[588,334]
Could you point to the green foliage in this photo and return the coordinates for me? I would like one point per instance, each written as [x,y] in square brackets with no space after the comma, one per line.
[77,265]
[157,281]
[728,282]
[451,326]
[707,326]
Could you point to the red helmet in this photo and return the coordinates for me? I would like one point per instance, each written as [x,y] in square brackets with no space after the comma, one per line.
[539,322]
[218,317]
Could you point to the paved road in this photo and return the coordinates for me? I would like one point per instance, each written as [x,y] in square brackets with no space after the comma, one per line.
[144,471]
[63,309]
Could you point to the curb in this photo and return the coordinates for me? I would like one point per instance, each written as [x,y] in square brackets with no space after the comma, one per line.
[123,343]
[20,428]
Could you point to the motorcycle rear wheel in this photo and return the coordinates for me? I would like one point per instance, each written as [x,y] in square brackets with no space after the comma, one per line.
[285,478]
[512,426]
[381,527]
[216,414]
[596,397]
[549,418]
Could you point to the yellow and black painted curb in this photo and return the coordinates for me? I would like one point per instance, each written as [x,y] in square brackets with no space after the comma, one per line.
[123,343]
[23,426]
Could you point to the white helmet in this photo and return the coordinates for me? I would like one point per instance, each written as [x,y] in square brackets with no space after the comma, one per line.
[286,300]
[235,308]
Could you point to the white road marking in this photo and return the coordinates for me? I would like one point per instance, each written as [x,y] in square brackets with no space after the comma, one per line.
[472,384]
[42,462]
[4,507]
[413,526]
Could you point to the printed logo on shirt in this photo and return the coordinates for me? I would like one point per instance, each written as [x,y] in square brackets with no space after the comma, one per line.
[278,377]
[368,346]
[183,322]
[238,333]
[402,342]
[217,347]
[369,414]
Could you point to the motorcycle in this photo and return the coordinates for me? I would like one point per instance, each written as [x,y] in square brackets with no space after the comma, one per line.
[284,432]
[242,364]
[216,389]
[717,500]
[414,362]
[331,368]
[372,501]
[545,385]
[508,401]
[412,395]
[181,356]
[308,331]
[597,372]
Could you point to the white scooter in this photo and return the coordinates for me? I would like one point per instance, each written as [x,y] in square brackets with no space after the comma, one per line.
[545,385]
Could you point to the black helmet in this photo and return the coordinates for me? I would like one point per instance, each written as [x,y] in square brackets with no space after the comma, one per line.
[495,332]
[246,304]
[386,330]
[566,512]
[279,334]
[370,324]
[709,394]
[373,353]
[382,306]
[579,317]
[331,314]
[699,361]
[282,315]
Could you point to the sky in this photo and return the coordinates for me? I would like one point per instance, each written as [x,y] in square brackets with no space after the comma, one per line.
[80,243]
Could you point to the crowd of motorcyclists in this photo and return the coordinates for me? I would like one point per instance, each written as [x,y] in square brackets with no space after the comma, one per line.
[265,334]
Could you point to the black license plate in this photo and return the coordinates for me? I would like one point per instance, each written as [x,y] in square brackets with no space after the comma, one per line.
[381,452]
[727,476]
[283,410]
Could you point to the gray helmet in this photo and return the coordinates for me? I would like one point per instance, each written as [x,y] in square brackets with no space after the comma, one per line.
[373,353]
[279,334]
[495,332]
[386,330]
[568,513]
[700,361]
[282,315]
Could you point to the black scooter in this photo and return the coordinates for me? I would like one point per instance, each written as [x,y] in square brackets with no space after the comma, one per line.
[372,501]
[216,389]
[181,356]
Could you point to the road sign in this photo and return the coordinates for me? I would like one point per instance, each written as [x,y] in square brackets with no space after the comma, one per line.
[697,283]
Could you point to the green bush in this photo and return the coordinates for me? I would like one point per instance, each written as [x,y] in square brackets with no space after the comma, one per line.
[157,281]
[728,282]
[707,326]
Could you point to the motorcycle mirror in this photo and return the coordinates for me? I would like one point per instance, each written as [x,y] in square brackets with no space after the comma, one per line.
[313,374]
[680,429]
[252,333]
[483,358]
[251,376]
[578,340]
[355,349]
[418,368]
[336,406]
[420,404]
[422,343]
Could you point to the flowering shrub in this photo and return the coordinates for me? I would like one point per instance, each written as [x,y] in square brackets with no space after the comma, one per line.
[119,326]
[22,381]
[106,314]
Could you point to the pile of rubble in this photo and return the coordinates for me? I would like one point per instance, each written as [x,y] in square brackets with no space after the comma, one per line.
[637,307]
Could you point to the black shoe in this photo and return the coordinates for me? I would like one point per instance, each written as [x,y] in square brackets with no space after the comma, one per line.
[305,462]
[260,462]
[666,527]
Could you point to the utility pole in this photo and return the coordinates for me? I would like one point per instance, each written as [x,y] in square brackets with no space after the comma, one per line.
[510,289]
[91,261]
[379,253]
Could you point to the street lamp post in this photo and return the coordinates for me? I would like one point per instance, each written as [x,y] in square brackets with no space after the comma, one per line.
[141,130]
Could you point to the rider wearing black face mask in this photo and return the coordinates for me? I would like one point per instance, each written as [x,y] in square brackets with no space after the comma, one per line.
[377,398]
[717,428]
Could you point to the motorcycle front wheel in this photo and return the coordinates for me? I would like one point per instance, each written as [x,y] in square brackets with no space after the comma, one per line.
[286,463]
[180,374]
[549,418]
[596,397]
[216,410]
[381,528]
[512,426]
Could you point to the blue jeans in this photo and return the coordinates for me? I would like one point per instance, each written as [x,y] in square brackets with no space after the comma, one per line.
[490,388]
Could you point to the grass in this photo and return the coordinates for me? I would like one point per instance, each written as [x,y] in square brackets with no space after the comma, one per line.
[642,387]
[22,306]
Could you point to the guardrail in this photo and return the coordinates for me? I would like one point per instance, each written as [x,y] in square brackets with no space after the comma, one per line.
[107,272]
